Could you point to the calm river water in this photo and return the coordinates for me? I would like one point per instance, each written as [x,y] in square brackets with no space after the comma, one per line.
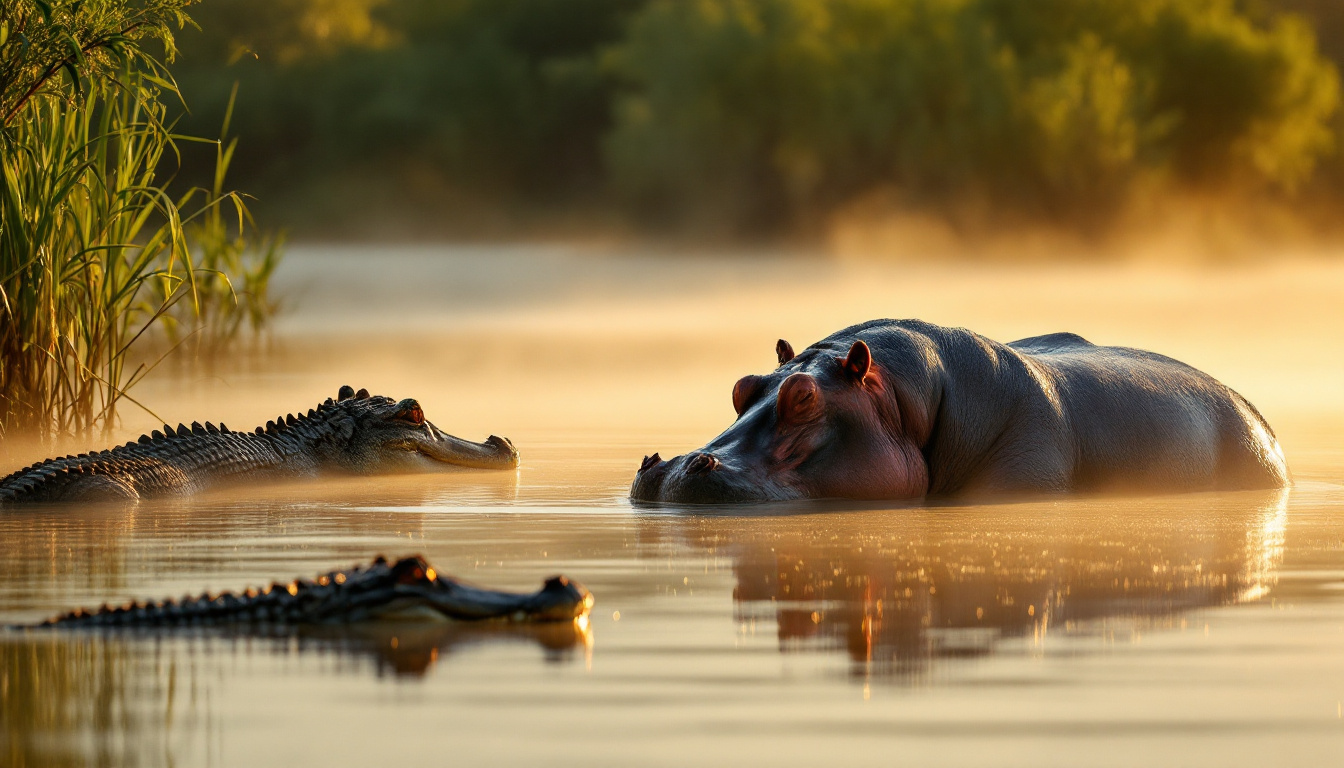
[1203,629]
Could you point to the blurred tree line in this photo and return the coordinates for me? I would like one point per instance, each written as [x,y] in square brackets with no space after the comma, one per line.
[764,116]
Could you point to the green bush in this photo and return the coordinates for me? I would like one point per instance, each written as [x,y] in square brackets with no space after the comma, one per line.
[760,115]
[502,99]
[781,108]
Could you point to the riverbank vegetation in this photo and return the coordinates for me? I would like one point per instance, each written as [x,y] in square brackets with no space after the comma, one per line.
[99,249]
[756,117]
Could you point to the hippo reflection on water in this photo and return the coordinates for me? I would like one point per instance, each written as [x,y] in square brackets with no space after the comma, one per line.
[900,409]
[900,594]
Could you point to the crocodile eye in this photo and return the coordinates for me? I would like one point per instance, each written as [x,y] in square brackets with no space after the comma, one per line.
[408,411]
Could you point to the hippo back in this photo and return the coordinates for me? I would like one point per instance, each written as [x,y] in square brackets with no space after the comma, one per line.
[1143,420]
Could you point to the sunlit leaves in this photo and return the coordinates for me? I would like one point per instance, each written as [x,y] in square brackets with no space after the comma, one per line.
[761,112]
[73,40]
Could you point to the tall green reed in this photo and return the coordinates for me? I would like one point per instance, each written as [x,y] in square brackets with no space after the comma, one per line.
[95,253]
[85,237]
[234,262]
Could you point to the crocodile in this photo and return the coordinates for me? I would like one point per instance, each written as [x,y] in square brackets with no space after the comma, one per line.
[356,433]
[406,590]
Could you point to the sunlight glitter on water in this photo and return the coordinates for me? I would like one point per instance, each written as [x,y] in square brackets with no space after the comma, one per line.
[1195,630]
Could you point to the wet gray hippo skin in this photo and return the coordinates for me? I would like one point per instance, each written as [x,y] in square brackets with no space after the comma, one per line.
[900,409]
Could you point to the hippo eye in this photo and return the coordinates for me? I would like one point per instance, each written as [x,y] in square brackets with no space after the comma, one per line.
[800,399]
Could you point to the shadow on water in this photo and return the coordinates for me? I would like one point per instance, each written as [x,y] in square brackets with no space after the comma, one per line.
[898,591]
[131,693]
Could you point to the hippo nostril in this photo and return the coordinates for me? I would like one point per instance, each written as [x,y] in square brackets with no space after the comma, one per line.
[650,461]
[701,463]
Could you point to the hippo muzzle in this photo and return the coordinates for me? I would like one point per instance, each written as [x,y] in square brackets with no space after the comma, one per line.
[703,477]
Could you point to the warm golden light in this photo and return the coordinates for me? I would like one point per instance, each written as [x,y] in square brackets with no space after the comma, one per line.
[575,226]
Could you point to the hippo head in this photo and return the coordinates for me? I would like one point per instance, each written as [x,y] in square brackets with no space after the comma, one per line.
[828,423]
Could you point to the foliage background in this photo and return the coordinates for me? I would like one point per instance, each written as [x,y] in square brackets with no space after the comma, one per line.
[766,117]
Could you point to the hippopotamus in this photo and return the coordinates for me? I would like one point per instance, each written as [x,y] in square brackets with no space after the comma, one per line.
[904,409]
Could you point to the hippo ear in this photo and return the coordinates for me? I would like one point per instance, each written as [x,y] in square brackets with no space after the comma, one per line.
[785,351]
[858,362]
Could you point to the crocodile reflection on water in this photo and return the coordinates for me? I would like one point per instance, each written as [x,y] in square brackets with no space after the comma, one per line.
[117,684]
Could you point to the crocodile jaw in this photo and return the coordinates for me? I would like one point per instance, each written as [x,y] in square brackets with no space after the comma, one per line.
[494,453]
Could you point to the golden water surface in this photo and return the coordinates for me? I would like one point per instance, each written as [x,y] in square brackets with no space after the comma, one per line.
[1202,629]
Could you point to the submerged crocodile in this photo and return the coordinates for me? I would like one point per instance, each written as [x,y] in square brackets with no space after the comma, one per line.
[357,433]
[407,590]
